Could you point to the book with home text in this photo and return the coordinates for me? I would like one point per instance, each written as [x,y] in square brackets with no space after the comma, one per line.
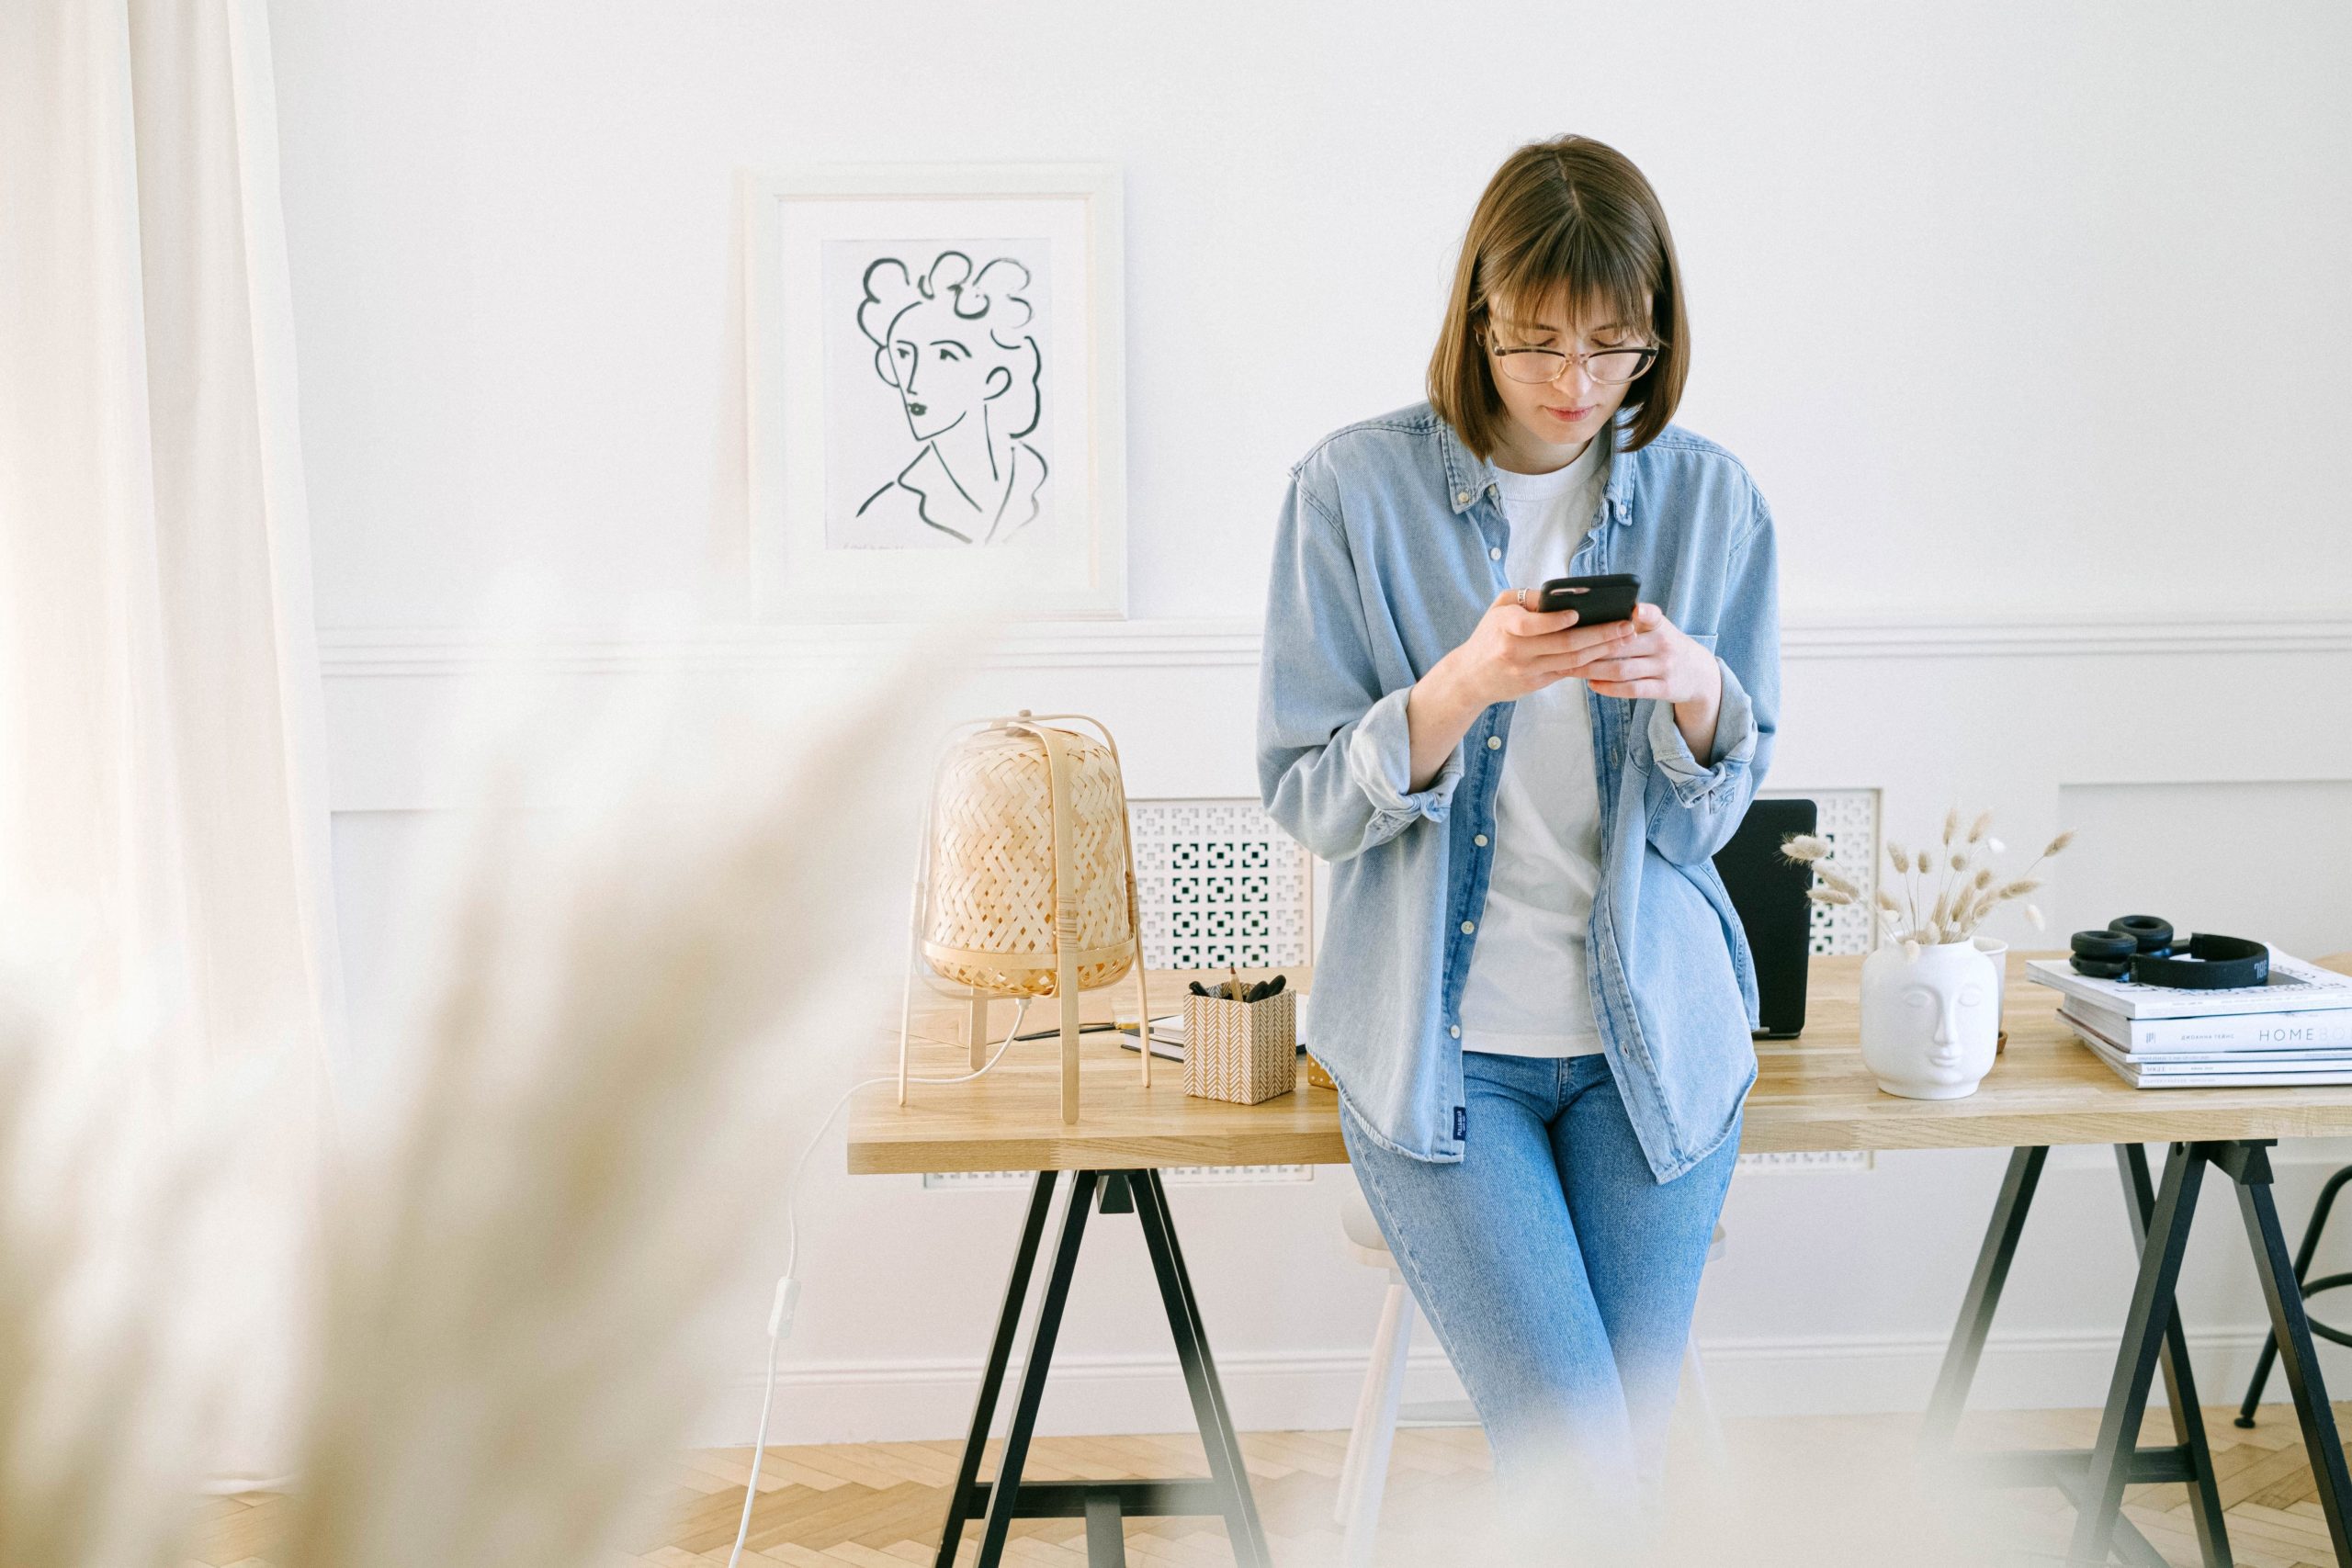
[2321,1028]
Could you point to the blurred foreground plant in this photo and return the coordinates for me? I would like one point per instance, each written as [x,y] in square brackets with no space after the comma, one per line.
[524,1238]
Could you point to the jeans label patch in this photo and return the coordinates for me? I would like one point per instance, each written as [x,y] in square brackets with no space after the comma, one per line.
[1461,1120]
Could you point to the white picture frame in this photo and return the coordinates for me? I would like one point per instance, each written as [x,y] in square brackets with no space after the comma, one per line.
[936,390]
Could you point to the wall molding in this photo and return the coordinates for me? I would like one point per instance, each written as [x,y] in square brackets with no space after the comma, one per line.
[929,1398]
[364,653]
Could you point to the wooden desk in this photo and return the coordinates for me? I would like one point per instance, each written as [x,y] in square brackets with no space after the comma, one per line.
[1811,1094]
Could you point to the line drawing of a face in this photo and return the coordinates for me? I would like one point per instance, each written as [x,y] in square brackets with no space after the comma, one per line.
[956,344]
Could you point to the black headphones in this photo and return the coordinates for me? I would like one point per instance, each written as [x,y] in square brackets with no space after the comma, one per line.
[2140,948]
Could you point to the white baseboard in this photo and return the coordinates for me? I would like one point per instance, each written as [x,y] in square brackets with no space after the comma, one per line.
[844,1401]
[1843,1375]
[928,1399]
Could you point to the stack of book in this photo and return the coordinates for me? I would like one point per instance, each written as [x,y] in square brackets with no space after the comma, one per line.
[1166,1037]
[2296,1029]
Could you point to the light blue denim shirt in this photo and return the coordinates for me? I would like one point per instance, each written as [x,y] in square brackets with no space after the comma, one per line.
[1390,548]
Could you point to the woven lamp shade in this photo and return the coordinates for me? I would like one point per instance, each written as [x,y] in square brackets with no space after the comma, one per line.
[989,923]
[1028,888]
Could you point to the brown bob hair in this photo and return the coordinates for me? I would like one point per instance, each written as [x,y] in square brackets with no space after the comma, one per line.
[1570,215]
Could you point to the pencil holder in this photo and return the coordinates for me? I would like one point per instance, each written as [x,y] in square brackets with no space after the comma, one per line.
[1243,1052]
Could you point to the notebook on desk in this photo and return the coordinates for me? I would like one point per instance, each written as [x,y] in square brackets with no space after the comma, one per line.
[1769,891]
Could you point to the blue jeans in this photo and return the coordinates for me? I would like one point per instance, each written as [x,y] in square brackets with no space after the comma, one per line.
[1558,1273]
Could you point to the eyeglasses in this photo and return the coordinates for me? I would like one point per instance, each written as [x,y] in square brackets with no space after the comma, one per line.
[1608,367]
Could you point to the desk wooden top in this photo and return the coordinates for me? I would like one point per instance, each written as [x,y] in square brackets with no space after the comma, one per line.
[1811,1093]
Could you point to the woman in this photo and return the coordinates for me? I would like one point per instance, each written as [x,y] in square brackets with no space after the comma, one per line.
[1534,994]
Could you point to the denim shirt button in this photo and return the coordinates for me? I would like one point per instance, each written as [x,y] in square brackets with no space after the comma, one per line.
[1479,840]
[1461,498]
[1494,553]
[1494,742]
[1469,926]
[1455,1031]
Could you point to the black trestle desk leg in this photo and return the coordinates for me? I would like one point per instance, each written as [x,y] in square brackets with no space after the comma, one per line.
[2180,1383]
[1983,1294]
[1116,1199]
[1004,1494]
[2249,1165]
[2100,1500]
[2303,1256]
[1008,1323]
[1106,1538]
[1226,1468]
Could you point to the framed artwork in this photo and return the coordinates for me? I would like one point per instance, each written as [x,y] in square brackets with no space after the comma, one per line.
[936,404]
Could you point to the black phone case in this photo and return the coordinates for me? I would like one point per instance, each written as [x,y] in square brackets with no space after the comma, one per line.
[1596,600]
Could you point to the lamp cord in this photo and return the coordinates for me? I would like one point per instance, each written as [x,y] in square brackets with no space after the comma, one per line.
[787,1287]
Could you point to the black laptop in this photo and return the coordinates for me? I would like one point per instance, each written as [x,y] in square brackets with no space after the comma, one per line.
[1769,890]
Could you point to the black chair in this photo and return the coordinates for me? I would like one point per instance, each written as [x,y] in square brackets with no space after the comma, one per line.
[1769,894]
[2310,1287]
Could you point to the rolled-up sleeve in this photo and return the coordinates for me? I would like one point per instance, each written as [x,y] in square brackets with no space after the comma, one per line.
[1334,750]
[1380,760]
[1694,807]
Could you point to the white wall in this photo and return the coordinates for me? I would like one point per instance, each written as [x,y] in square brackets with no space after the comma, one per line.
[1957,276]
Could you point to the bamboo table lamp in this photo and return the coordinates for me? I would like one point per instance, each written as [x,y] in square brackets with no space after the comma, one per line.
[1028,884]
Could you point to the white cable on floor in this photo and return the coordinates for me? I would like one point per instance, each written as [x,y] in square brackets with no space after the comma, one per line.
[787,1288]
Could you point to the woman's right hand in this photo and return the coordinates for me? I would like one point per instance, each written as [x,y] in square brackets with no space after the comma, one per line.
[1515,651]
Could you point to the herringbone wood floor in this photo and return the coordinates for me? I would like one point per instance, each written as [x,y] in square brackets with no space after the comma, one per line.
[879,1504]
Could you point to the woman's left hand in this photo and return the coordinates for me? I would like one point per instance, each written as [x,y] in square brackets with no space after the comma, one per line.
[1654,658]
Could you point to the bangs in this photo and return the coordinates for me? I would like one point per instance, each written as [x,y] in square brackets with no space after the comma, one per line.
[1577,268]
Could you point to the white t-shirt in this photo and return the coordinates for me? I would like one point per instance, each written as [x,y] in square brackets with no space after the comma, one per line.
[1526,992]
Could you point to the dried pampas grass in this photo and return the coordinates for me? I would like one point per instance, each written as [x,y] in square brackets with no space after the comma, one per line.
[523,1262]
[1806,847]
[1970,889]
[632,1002]
[1813,850]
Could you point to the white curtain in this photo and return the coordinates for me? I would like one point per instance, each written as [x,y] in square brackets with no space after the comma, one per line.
[162,740]
[163,790]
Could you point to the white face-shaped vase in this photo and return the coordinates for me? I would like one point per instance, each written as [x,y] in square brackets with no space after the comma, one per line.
[1930,1024]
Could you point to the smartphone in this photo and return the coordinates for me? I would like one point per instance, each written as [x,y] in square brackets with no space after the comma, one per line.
[1596,600]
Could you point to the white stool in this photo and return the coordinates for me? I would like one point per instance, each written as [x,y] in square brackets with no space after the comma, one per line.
[1363,1475]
